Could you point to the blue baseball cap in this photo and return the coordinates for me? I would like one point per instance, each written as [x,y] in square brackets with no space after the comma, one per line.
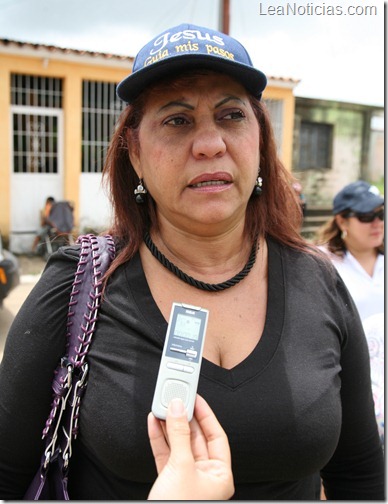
[189,46]
[359,197]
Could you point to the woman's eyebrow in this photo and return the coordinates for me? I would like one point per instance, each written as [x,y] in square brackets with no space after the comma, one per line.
[229,98]
[176,103]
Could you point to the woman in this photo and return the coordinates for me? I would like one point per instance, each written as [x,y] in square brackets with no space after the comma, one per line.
[204,214]
[354,237]
[354,240]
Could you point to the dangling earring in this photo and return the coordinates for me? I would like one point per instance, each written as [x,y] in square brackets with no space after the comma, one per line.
[344,234]
[140,191]
[257,190]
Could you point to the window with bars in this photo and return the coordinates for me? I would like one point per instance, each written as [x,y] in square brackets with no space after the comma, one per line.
[35,133]
[315,141]
[100,111]
[35,91]
[275,109]
[35,143]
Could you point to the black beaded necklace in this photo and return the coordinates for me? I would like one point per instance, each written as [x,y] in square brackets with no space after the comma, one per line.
[197,283]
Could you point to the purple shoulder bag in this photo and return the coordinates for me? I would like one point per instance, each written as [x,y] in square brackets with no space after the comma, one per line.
[70,377]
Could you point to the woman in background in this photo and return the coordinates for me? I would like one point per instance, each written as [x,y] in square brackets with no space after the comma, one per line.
[354,240]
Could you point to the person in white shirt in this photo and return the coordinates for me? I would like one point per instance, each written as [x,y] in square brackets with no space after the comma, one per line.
[354,240]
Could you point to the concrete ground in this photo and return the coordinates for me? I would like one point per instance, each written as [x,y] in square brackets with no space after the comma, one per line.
[30,268]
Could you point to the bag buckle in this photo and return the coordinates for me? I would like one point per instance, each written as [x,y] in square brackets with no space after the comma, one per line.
[74,404]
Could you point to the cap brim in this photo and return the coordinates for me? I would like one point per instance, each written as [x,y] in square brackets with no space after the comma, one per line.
[251,78]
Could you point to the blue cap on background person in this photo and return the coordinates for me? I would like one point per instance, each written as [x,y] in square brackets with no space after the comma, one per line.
[189,46]
[359,197]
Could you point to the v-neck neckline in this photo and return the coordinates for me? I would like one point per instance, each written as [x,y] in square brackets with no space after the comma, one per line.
[266,347]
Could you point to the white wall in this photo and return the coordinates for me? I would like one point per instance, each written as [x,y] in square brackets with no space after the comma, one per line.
[95,210]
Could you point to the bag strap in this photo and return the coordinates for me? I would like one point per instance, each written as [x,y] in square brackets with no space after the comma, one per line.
[70,377]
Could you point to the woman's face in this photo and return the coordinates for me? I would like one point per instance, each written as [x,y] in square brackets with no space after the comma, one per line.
[198,152]
[363,235]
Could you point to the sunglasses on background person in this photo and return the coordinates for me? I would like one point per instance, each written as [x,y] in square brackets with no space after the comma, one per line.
[367,217]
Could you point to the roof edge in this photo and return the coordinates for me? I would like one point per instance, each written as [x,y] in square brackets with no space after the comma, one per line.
[11,46]
[34,49]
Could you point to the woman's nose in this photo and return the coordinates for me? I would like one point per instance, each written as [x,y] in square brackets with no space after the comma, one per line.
[208,142]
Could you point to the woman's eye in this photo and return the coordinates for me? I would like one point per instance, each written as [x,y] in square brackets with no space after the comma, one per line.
[234,114]
[176,121]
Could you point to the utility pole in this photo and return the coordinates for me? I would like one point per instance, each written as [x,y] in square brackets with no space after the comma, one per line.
[224,20]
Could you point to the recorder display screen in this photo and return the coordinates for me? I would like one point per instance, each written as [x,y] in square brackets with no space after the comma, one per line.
[187,327]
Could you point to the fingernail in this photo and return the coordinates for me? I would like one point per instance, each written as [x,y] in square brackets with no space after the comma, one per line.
[176,406]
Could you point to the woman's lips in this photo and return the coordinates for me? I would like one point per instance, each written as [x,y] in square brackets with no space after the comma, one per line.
[210,183]
[211,180]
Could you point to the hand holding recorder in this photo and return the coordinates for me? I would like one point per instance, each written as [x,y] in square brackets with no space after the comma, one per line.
[193,460]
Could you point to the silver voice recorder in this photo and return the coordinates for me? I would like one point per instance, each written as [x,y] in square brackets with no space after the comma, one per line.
[180,364]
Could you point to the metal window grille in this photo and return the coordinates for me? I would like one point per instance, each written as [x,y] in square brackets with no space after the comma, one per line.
[100,111]
[35,135]
[35,91]
[315,145]
[35,143]
[275,109]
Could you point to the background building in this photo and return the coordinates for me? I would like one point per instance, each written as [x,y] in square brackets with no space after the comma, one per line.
[336,143]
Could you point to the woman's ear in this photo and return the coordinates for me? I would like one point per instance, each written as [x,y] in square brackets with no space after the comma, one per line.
[341,221]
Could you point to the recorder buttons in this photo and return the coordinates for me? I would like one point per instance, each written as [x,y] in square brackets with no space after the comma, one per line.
[180,367]
[177,367]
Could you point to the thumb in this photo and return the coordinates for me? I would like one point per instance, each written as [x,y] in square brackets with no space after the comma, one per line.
[178,431]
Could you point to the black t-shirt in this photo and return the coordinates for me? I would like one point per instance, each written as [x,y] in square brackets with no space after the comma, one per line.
[300,403]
